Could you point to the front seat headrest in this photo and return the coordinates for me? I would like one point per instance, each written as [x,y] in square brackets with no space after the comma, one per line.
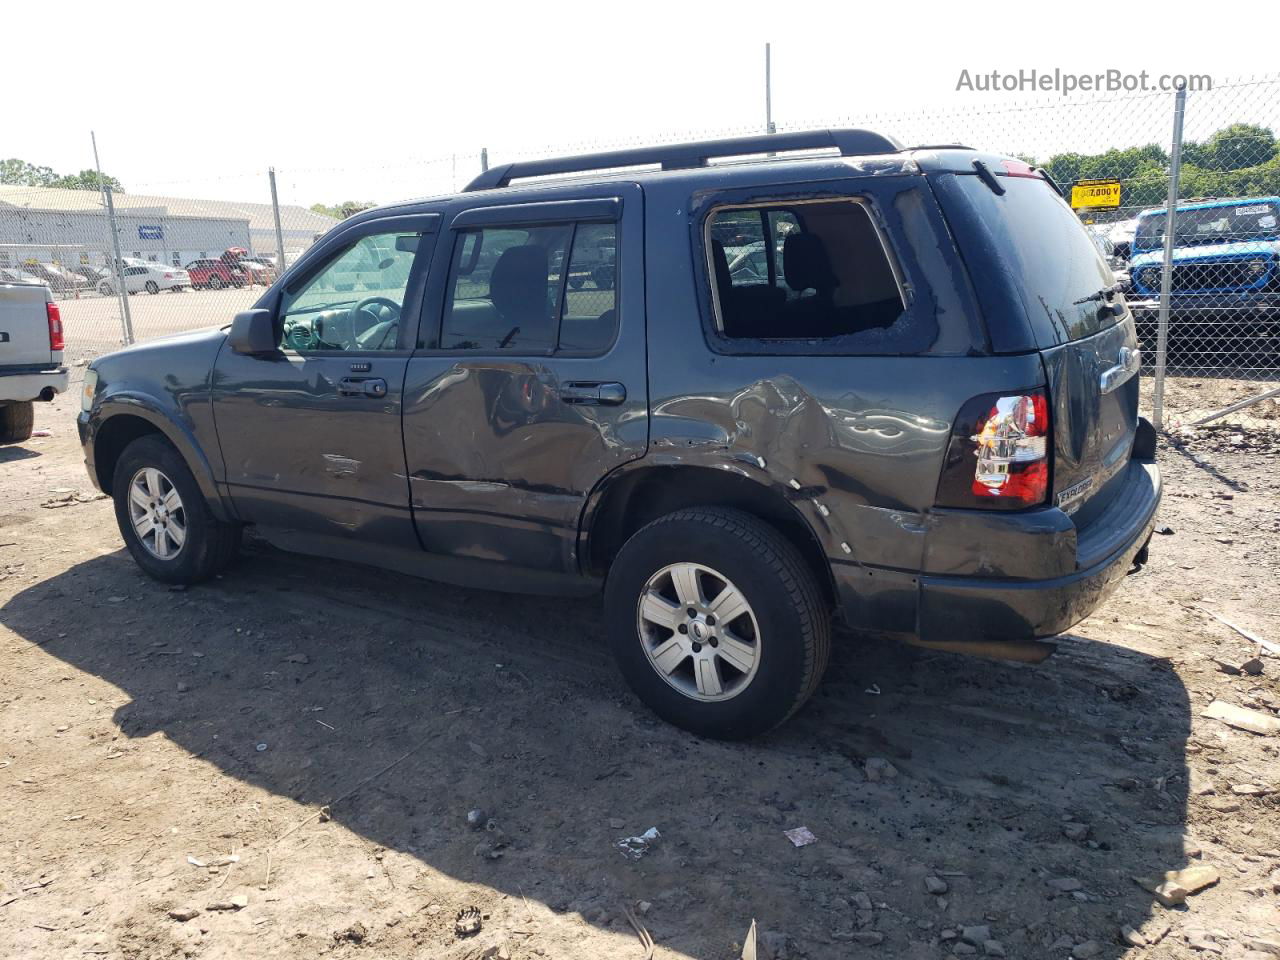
[518,284]
[806,264]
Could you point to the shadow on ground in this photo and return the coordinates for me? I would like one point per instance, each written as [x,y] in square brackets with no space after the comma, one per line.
[511,704]
[13,454]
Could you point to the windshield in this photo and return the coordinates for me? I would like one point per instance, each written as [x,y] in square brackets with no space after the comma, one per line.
[1248,220]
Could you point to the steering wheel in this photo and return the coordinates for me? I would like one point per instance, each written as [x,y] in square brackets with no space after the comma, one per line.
[375,335]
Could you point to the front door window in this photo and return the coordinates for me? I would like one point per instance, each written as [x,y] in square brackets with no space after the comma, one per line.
[355,302]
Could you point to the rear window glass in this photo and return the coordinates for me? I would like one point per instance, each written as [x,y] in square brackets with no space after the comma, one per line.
[811,271]
[1044,249]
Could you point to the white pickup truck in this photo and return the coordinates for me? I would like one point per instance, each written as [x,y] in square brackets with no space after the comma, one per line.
[31,346]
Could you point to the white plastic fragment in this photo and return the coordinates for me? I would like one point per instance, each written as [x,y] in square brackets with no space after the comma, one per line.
[800,836]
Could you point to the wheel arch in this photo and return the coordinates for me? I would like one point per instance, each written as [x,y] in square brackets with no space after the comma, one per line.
[123,420]
[632,498]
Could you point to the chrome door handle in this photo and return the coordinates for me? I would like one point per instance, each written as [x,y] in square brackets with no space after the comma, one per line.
[611,394]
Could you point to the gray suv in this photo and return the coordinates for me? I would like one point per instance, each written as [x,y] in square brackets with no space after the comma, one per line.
[917,415]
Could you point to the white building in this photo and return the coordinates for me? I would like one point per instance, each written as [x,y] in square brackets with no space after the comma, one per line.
[71,226]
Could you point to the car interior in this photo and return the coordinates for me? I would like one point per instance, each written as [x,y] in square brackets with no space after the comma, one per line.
[829,276]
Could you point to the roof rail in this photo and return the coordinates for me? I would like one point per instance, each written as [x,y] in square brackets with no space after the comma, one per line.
[685,156]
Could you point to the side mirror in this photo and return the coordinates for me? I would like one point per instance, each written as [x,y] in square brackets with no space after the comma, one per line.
[253,332]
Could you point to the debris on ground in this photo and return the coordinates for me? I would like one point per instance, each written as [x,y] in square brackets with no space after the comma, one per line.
[800,836]
[636,847]
[468,922]
[1174,886]
[1255,721]
[877,769]
[238,902]
[183,914]
[356,933]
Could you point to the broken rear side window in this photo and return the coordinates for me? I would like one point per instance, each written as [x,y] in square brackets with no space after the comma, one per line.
[805,271]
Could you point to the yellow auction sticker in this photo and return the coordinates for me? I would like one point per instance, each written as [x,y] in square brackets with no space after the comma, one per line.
[1095,193]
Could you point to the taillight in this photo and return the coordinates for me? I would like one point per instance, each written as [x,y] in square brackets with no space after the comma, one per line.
[56,341]
[998,457]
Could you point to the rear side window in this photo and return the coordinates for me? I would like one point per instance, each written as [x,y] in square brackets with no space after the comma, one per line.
[809,271]
[533,290]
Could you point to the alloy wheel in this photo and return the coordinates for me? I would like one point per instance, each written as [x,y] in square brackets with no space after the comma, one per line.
[698,631]
[157,513]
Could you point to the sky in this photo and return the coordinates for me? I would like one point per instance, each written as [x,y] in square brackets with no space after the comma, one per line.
[386,100]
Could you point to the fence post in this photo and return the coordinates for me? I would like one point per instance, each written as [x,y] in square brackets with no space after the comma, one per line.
[126,319]
[1166,270]
[275,212]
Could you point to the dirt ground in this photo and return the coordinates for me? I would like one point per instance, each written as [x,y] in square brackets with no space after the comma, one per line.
[314,737]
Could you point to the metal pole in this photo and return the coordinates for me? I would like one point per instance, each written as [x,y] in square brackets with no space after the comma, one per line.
[275,212]
[768,90]
[484,159]
[1166,271]
[118,271]
[118,266]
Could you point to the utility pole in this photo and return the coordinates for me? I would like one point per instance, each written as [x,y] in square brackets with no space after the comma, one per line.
[768,90]
[126,318]
[275,212]
[1166,267]
[117,266]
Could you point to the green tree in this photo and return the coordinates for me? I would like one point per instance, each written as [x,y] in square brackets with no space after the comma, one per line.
[23,174]
[347,208]
[88,180]
[1235,147]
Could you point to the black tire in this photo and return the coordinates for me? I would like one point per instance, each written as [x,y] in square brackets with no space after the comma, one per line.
[215,282]
[105,289]
[17,420]
[794,641]
[152,287]
[209,546]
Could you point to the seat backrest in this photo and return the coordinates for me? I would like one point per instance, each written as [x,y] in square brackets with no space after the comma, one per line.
[518,286]
[806,265]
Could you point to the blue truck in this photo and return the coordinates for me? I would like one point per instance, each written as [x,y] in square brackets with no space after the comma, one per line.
[1226,257]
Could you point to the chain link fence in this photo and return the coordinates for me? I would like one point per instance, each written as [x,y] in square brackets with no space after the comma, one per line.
[154,260]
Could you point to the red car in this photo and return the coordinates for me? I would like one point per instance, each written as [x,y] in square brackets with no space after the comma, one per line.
[214,274]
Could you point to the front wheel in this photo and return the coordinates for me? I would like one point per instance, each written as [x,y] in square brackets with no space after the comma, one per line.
[152,287]
[163,516]
[716,622]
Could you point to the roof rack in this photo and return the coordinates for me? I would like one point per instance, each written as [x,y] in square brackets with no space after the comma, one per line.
[686,156]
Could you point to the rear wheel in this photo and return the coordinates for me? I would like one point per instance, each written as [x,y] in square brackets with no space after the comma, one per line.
[716,622]
[17,420]
[163,516]
[104,288]
[215,282]
[152,287]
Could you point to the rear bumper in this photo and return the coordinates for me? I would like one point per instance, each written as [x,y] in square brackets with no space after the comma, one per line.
[953,609]
[30,386]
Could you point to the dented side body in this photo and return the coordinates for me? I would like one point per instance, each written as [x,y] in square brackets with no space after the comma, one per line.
[473,468]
